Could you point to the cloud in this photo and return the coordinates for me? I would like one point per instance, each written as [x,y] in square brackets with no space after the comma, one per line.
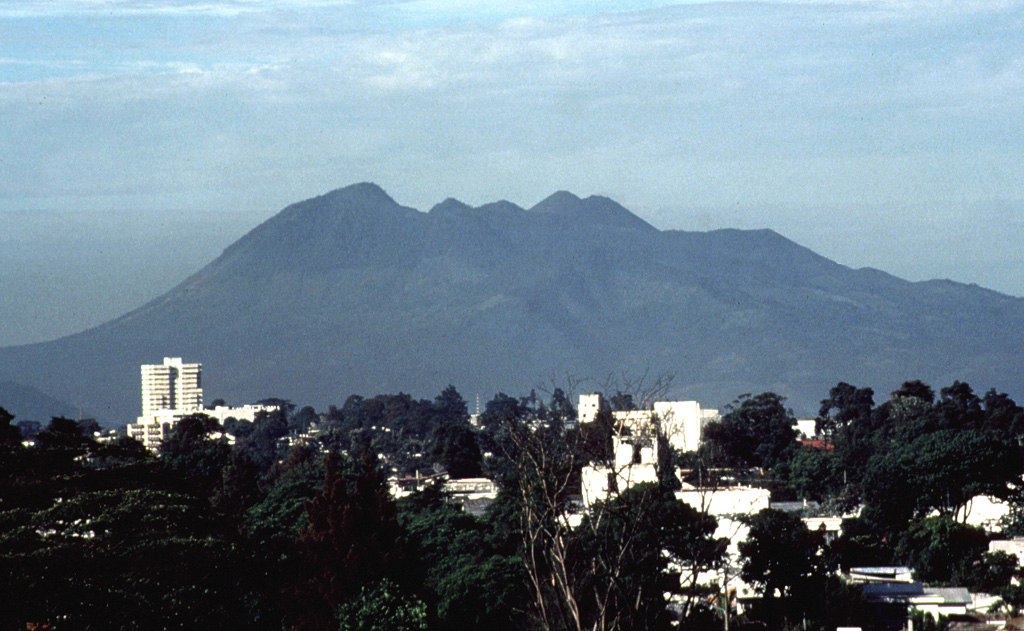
[135,8]
[704,103]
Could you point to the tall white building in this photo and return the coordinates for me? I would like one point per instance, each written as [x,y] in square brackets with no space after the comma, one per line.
[170,391]
[173,390]
[172,385]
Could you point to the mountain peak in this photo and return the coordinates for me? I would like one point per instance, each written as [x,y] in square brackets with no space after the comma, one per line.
[559,202]
[450,205]
[363,194]
[351,292]
[593,210]
[364,199]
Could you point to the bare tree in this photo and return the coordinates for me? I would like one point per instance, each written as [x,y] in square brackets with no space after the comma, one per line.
[579,565]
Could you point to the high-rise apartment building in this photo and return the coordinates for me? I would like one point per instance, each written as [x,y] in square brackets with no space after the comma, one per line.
[173,390]
[172,385]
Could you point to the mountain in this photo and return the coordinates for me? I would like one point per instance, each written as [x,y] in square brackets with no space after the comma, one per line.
[351,292]
[30,404]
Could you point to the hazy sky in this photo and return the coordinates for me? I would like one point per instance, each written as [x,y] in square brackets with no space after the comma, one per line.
[138,138]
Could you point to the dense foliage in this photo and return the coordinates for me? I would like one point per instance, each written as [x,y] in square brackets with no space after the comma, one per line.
[292,525]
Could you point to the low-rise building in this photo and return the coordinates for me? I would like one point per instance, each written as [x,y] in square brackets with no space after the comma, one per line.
[680,422]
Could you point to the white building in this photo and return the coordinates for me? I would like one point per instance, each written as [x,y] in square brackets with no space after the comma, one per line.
[806,428]
[634,463]
[172,385]
[983,511]
[170,391]
[681,422]
[173,390]
[244,413]
[1013,546]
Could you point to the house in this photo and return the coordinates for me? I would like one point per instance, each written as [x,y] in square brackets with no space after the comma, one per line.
[893,594]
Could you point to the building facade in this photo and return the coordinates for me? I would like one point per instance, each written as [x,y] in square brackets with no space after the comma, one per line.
[170,391]
[680,422]
[172,385]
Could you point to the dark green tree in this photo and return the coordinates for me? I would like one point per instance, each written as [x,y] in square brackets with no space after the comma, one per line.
[193,456]
[847,421]
[382,608]
[9,434]
[941,471]
[351,539]
[125,558]
[992,573]
[941,550]
[786,564]
[754,432]
[450,405]
[816,474]
[472,580]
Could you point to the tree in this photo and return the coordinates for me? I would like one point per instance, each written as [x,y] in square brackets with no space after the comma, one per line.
[450,405]
[264,442]
[302,420]
[611,571]
[992,573]
[239,485]
[911,412]
[846,407]
[779,553]
[541,468]
[846,420]
[351,539]
[61,445]
[454,444]
[624,548]
[120,558]
[382,608]
[278,518]
[960,408]
[784,561]
[89,426]
[755,432]
[192,454]
[816,474]
[1003,417]
[942,550]
[9,434]
[940,471]
[473,579]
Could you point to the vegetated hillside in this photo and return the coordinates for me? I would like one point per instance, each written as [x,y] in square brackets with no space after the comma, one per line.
[352,293]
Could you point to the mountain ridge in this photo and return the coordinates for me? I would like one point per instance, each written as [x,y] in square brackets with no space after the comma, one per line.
[351,292]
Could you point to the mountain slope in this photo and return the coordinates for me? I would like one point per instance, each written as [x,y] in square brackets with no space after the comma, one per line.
[352,293]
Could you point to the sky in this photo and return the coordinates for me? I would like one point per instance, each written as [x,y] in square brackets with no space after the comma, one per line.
[138,138]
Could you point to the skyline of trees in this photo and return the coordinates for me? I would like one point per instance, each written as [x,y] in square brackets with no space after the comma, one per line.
[307,536]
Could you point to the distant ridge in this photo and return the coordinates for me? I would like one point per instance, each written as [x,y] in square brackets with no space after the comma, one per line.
[351,292]
[30,404]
